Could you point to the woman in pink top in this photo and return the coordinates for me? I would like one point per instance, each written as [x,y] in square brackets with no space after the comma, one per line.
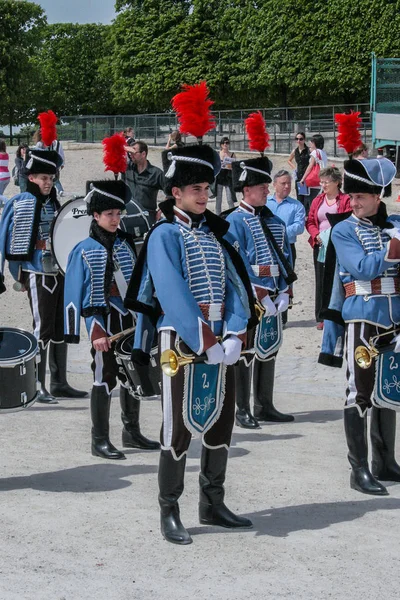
[4,172]
[330,201]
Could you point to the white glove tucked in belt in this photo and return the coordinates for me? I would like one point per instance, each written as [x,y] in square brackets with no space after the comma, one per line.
[270,308]
[215,355]
[282,302]
[232,347]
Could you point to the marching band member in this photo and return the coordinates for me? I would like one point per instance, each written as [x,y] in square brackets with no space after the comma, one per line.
[24,242]
[261,239]
[367,246]
[186,282]
[98,272]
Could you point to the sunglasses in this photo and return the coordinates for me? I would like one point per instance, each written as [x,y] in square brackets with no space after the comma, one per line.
[299,139]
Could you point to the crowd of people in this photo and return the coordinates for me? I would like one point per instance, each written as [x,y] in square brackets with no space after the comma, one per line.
[213,291]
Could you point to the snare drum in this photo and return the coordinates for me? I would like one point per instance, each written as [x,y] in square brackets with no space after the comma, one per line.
[136,223]
[71,226]
[19,354]
[145,381]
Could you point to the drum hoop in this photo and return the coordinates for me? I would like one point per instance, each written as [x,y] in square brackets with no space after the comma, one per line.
[15,361]
[140,213]
[52,229]
[20,408]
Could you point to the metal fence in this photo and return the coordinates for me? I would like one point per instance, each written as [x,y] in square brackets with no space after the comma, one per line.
[282,123]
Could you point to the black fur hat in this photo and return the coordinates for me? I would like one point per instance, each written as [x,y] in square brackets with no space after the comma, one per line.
[42,161]
[370,176]
[190,165]
[106,194]
[251,171]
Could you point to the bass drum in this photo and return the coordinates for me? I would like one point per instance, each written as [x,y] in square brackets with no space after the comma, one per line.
[144,381]
[71,226]
[19,355]
[136,223]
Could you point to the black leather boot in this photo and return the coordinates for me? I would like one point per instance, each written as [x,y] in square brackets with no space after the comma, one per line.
[383,437]
[171,474]
[212,510]
[361,479]
[59,386]
[131,436]
[263,390]
[100,403]
[43,396]
[244,418]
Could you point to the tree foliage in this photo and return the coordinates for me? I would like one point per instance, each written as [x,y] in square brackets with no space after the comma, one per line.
[21,30]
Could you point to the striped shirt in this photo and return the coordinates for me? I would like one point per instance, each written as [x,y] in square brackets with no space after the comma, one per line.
[4,172]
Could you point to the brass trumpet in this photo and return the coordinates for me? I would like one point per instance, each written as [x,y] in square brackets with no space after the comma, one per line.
[364,355]
[259,309]
[171,362]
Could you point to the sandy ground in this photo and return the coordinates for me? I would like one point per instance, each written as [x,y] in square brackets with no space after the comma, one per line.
[75,527]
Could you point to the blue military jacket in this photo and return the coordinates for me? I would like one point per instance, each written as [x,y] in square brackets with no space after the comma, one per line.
[247,236]
[362,256]
[190,274]
[24,222]
[84,293]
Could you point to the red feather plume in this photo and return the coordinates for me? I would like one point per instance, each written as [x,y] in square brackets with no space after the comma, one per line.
[114,154]
[48,129]
[192,107]
[348,126]
[257,132]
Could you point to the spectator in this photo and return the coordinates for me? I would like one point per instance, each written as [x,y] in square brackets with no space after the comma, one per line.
[291,212]
[224,177]
[144,180]
[361,152]
[301,155]
[129,136]
[317,156]
[57,146]
[19,173]
[330,201]
[174,141]
[4,172]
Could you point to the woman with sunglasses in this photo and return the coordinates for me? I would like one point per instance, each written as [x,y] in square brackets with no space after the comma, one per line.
[301,156]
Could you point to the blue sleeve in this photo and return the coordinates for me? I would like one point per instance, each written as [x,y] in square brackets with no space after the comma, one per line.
[164,259]
[297,227]
[144,333]
[6,220]
[352,258]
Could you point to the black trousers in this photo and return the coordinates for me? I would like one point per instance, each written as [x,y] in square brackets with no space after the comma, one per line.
[319,269]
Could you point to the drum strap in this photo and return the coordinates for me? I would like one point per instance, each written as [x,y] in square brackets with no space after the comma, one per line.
[121,283]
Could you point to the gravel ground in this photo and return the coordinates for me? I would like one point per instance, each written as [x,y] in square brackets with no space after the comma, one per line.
[75,527]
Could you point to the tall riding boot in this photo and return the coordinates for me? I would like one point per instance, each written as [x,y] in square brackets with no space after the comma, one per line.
[383,436]
[361,479]
[244,418]
[171,474]
[131,436]
[59,386]
[100,403]
[43,395]
[263,390]
[212,510]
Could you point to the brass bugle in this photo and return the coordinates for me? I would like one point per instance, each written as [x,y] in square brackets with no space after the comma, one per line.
[171,362]
[364,355]
[259,309]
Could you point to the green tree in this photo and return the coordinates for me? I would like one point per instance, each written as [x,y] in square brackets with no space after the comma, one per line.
[71,80]
[21,28]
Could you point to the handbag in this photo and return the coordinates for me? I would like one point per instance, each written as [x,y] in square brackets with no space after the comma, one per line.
[312,179]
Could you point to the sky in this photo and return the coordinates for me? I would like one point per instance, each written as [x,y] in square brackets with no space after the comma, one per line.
[78,11]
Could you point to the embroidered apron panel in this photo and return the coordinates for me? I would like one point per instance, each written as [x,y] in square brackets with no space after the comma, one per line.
[203,396]
[387,382]
[268,336]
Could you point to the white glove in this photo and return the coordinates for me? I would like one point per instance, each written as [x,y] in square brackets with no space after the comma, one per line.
[232,347]
[215,355]
[282,302]
[396,340]
[392,233]
[270,308]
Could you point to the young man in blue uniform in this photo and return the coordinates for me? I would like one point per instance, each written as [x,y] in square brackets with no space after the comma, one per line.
[366,293]
[98,272]
[25,243]
[261,239]
[186,283]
